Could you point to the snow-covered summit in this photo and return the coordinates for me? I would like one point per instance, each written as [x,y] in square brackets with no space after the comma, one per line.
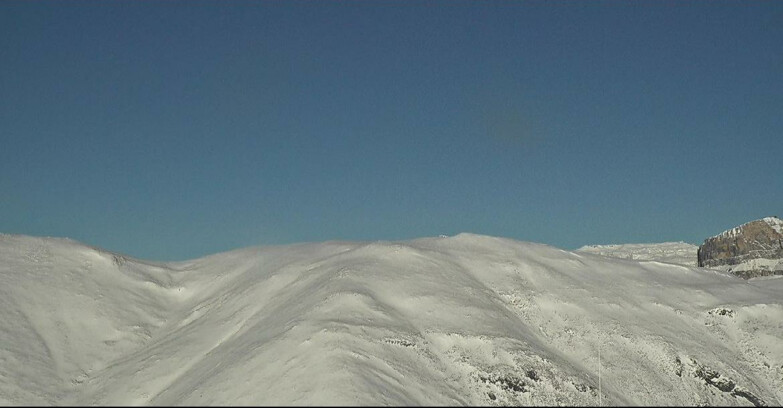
[750,250]
[463,320]
[774,222]
[680,253]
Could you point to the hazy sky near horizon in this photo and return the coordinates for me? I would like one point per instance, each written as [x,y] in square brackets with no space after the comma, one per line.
[169,130]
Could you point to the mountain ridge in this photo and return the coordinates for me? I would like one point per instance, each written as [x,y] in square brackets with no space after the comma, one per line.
[680,253]
[462,320]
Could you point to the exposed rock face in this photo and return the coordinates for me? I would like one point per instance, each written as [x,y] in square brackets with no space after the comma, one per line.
[750,250]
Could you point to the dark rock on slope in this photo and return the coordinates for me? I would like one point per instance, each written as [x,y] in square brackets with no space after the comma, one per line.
[749,250]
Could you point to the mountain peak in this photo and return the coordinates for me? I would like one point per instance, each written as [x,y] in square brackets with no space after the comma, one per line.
[748,250]
[774,222]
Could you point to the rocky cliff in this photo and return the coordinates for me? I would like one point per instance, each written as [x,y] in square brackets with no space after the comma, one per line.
[749,250]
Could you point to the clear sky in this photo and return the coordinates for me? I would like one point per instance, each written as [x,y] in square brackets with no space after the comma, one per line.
[169,130]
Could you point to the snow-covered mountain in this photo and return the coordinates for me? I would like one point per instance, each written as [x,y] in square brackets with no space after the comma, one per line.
[750,250]
[467,319]
[679,253]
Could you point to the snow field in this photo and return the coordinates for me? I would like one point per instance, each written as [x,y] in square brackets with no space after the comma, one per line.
[457,320]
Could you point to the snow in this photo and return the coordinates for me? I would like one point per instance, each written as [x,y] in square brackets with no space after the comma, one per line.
[680,253]
[731,233]
[756,264]
[462,320]
[776,224]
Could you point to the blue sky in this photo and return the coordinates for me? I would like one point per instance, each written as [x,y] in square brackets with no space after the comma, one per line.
[169,130]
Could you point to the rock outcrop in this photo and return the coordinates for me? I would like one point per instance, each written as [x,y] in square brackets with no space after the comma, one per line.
[749,250]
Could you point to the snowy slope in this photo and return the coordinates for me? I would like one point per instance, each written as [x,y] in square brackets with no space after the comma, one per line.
[774,222]
[467,319]
[680,253]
